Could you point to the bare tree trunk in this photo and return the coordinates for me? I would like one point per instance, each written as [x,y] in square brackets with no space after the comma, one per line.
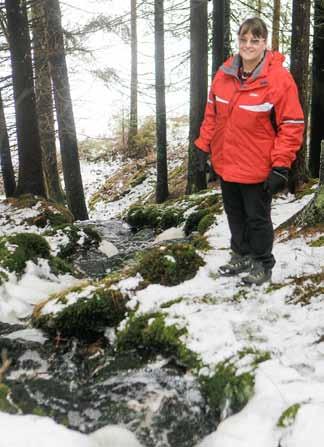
[44,103]
[317,128]
[218,35]
[30,175]
[64,112]
[227,30]
[259,7]
[196,180]
[162,191]
[299,68]
[276,25]
[8,175]
[133,119]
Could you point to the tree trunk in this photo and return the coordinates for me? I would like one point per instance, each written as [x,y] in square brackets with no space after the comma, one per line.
[299,69]
[8,175]
[218,35]
[317,128]
[133,120]
[64,112]
[196,180]
[259,7]
[30,175]
[44,103]
[161,138]
[227,31]
[276,25]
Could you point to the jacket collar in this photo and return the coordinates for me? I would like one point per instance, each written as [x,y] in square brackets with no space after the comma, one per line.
[231,66]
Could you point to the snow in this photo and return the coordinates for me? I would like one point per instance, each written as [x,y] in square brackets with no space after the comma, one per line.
[35,431]
[221,317]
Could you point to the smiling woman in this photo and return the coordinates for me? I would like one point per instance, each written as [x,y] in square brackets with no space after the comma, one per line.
[253,127]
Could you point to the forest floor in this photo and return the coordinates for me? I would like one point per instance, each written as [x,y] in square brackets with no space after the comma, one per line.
[223,318]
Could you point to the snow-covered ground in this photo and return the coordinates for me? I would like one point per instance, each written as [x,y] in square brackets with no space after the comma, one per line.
[222,318]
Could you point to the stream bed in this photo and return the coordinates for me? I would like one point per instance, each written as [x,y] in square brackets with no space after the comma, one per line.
[86,387]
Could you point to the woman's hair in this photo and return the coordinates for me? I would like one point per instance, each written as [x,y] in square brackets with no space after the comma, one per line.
[256,26]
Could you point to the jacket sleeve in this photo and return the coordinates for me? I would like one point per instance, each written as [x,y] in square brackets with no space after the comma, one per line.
[290,125]
[208,125]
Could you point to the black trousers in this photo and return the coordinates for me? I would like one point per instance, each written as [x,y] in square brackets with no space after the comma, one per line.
[248,210]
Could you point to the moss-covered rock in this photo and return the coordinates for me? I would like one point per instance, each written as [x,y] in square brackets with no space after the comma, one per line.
[150,335]
[47,212]
[17,249]
[170,264]
[205,223]
[71,238]
[153,216]
[193,220]
[83,312]
[226,390]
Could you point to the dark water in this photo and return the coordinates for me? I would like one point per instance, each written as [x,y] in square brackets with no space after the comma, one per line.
[96,264]
[87,387]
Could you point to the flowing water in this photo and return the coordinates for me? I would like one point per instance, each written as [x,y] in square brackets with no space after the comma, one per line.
[87,387]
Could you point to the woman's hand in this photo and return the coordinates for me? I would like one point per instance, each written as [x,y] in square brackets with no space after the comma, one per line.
[277,180]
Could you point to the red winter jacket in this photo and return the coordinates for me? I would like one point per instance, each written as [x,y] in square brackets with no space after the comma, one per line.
[237,128]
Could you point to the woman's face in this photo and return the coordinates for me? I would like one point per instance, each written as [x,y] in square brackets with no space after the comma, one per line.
[251,48]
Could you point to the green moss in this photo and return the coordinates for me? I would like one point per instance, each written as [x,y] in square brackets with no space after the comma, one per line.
[318,242]
[308,188]
[170,264]
[200,242]
[205,223]
[169,218]
[258,356]
[89,236]
[171,303]
[59,266]
[288,416]
[193,220]
[88,317]
[5,405]
[142,216]
[39,411]
[225,389]
[150,335]
[22,248]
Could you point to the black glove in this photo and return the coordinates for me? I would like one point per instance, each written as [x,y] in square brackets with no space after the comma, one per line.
[202,158]
[277,180]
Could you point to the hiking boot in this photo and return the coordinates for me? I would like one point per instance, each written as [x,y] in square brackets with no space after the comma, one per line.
[258,274]
[236,265]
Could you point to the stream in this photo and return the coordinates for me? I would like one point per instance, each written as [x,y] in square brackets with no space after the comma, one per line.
[86,387]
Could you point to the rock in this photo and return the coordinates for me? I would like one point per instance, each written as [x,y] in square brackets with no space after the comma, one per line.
[108,249]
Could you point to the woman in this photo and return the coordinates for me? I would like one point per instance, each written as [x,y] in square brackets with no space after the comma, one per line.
[253,127]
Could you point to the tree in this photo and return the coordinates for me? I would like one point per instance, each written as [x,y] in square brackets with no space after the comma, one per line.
[196,179]
[317,112]
[44,103]
[299,69]
[161,139]
[276,25]
[218,35]
[133,119]
[64,111]
[5,155]
[30,175]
